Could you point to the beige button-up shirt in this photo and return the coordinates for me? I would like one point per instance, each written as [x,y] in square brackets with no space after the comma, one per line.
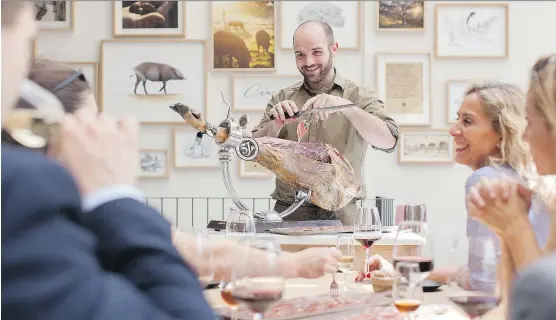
[337,130]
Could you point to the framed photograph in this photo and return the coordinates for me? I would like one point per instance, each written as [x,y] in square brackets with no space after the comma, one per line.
[401,15]
[455,89]
[252,92]
[426,146]
[242,35]
[149,18]
[55,15]
[193,150]
[471,30]
[153,163]
[344,17]
[404,84]
[251,169]
[143,78]
[90,70]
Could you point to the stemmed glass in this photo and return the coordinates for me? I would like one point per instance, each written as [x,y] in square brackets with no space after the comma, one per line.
[407,291]
[203,251]
[405,249]
[483,297]
[346,246]
[257,280]
[367,228]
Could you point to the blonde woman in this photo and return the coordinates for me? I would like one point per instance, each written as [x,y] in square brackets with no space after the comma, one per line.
[488,140]
[502,204]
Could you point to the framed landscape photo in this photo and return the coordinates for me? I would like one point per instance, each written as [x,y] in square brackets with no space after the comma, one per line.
[253,92]
[90,71]
[143,78]
[251,169]
[242,36]
[194,150]
[400,15]
[149,18]
[455,89]
[471,30]
[344,17]
[404,84]
[55,15]
[426,146]
[153,163]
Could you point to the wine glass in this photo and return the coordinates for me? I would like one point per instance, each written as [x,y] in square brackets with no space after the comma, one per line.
[226,294]
[258,280]
[203,251]
[346,246]
[240,222]
[406,250]
[407,291]
[483,296]
[367,227]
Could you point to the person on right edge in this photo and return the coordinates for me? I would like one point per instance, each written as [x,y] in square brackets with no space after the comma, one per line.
[350,130]
[529,285]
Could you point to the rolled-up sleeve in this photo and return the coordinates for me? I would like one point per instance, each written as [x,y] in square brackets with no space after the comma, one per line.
[368,100]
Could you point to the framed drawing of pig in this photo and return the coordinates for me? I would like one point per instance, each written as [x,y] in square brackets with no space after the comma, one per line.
[55,15]
[242,35]
[142,78]
[149,19]
[252,92]
[344,17]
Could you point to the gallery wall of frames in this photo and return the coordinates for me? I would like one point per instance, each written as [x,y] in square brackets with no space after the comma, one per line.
[419,56]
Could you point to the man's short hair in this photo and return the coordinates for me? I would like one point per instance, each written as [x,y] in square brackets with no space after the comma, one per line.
[11,11]
[325,27]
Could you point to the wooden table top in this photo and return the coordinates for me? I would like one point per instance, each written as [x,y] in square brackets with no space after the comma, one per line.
[297,287]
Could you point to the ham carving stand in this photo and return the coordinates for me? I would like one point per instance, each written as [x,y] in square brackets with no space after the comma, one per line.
[239,141]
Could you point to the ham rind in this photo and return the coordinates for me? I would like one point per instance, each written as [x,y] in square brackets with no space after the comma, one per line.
[316,166]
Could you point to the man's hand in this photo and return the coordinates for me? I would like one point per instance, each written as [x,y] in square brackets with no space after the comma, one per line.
[324,100]
[280,109]
[315,262]
[98,151]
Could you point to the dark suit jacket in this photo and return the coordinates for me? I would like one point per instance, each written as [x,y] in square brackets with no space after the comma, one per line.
[534,292]
[58,262]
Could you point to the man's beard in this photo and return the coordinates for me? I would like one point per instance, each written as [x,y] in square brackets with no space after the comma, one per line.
[318,78]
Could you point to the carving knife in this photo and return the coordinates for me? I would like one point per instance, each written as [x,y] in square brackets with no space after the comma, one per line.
[315,110]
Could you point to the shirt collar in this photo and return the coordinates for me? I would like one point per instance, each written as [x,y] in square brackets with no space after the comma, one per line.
[338,80]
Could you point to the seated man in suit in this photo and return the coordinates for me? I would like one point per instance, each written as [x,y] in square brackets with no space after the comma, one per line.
[50,262]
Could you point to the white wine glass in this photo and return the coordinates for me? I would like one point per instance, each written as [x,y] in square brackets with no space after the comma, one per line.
[204,254]
[240,223]
[346,246]
[407,290]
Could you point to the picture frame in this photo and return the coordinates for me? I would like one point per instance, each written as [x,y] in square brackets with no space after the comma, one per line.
[242,36]
[455,89]
[193,150]
[401,15]
[403,82]
[172,17]
[123,93]
[344,17]
[251,169]
[153,163]
[55,15]
[252,92]
[90,70]
[426,146]
[471,30]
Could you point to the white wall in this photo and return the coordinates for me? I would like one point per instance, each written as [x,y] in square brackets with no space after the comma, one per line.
[440,187]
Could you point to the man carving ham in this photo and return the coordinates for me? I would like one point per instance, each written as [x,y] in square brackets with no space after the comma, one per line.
[349,130]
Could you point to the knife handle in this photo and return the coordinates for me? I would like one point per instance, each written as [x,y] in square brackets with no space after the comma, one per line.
[287,115]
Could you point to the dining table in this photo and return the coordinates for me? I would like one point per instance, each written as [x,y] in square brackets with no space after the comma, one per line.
[435,305]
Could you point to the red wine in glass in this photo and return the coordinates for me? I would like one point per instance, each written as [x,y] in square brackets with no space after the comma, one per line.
[475,305]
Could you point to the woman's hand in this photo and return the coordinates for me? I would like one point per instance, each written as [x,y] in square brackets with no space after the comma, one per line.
[315,262]
[500,204]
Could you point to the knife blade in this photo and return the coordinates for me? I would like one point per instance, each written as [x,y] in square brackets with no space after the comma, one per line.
[315,110]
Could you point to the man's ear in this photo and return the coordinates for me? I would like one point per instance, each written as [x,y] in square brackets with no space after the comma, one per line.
[334,48]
